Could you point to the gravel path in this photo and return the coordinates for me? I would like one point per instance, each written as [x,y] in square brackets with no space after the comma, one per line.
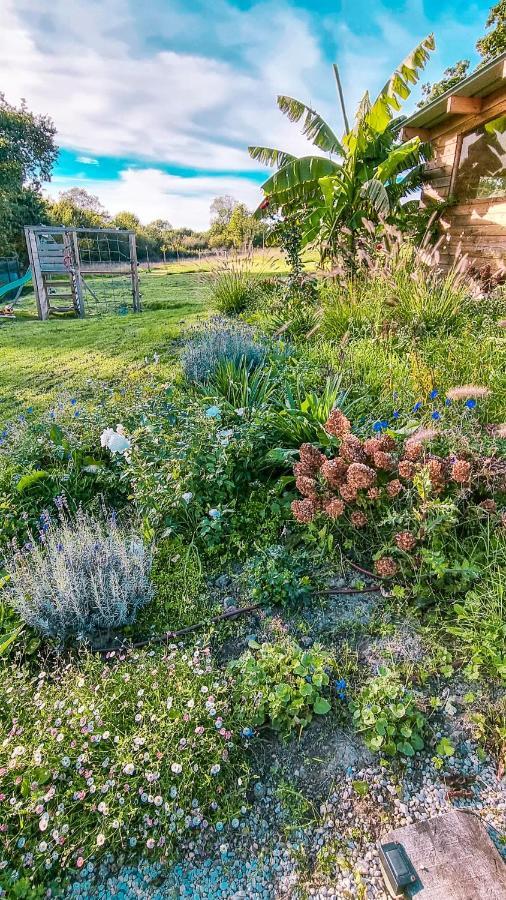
[331,858]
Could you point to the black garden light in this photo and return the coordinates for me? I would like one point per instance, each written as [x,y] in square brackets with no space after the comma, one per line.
[397,869]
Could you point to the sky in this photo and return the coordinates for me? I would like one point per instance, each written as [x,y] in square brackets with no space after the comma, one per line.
[155,103]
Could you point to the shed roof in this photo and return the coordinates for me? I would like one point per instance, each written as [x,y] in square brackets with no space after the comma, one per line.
[484,81]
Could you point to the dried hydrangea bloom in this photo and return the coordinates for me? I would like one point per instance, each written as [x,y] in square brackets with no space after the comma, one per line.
[385,567]
[436,470]
[358,518]
[502,520]
[489,505]
[334,471]
[413,450]
[337,424]
[311,460]
[351,449]
[387,442]
[348,493]
[372,445]
[394,488]
[360,476]
[406,469]
[374,493]
[405,541]
[307,486]
[303,510]
[383,461]
[467,391]
[334,508]
[461,471]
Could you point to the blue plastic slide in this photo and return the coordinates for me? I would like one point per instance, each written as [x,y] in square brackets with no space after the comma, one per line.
[17,285]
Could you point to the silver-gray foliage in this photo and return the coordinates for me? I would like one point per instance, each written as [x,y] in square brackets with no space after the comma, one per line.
[86,577]
[217,341]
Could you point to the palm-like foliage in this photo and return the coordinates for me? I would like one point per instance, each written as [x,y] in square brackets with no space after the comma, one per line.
[372,170]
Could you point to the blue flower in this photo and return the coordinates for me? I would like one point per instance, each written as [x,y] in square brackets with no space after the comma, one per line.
[77,413]
[448,402]
[214,514]
[396,414]
[73,401]
[379,426]
[471,403]
[435,415]
[418,405]
[395,395]
[340,686]
[433,394]
[213,412]
[248,732]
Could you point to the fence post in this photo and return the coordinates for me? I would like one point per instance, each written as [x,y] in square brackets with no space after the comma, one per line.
[135,274]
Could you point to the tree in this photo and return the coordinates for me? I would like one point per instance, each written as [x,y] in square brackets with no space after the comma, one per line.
[127,220]
[489,46]
[330,199]
[221,210]
[450,79]
[494,43]
[27,155]
[76,208]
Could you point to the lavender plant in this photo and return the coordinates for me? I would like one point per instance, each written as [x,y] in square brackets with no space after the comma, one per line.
[83,578]
[220,340]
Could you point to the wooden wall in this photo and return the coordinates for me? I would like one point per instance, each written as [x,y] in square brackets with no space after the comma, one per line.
[477,227]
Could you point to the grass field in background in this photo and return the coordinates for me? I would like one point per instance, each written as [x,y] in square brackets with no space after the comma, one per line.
[38,360]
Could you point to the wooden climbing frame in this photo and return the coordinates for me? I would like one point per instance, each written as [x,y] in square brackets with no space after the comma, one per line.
[63,260]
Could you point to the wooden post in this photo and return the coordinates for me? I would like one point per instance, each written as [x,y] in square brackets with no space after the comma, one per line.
[78,280]
[38,280]
[135,274]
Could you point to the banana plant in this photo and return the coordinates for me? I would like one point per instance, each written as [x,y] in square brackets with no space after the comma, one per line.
[365,175]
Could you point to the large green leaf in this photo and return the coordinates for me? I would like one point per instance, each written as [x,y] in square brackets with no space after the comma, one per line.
[297,172]
[270,157]
[398,86]
[315,128]
[399,159]
[376,194]
[28,481]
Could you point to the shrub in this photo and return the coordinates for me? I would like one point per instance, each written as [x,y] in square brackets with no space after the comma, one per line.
[218,341]
[385,712]
[286,684]
[276,576]
[83,578]
[116,759]
[404,504]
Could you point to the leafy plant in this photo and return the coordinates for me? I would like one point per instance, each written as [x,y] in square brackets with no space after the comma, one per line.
[302,415]
[218,341]
[242,387]
[373,173]
[277,576]
[386,713]
[480,626]
[85,577]
[286,684]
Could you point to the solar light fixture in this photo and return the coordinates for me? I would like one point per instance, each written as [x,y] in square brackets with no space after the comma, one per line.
[398,871]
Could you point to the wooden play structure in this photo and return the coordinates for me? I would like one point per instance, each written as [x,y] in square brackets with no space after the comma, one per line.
[83,269]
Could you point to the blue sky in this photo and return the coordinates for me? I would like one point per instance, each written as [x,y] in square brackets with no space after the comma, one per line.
[156,102]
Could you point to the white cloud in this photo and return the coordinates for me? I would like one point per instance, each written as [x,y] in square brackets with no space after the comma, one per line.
[86,65]
[152,194]
[87,160]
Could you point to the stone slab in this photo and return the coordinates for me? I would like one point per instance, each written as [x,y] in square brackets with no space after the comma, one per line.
[453,857]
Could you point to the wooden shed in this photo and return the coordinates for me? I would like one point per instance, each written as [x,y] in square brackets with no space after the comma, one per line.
[467,129]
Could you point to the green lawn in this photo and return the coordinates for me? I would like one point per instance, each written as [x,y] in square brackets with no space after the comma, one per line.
[40,359]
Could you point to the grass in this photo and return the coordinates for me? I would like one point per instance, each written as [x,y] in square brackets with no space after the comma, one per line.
[40,359]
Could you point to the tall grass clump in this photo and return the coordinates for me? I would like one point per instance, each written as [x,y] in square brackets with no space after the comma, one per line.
[84,578]
[218,341]
[233,285]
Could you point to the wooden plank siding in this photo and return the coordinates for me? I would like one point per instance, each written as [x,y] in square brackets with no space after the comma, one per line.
[477,227]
